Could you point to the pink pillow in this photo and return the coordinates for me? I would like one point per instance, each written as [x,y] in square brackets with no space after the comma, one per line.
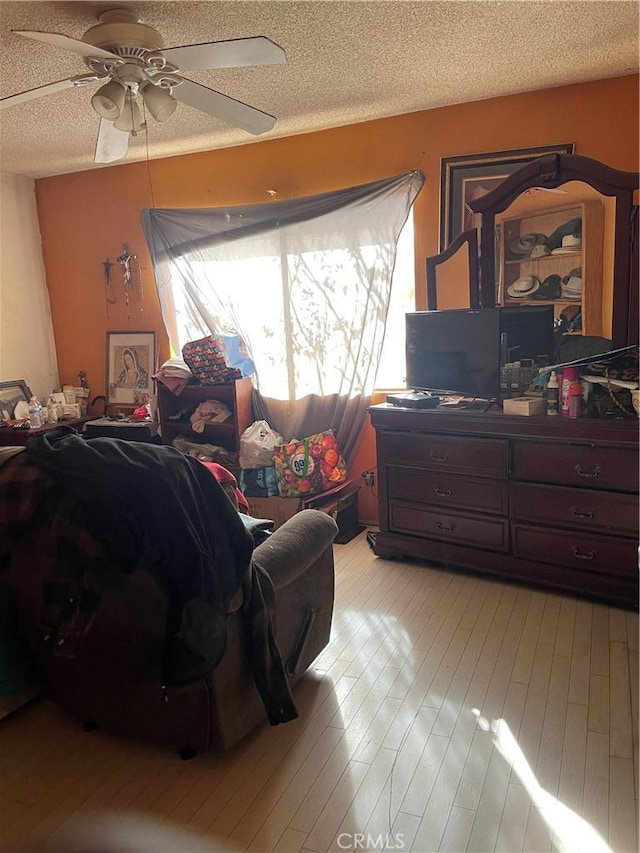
[229,484]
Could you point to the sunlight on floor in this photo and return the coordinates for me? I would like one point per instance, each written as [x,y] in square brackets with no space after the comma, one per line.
[571,832]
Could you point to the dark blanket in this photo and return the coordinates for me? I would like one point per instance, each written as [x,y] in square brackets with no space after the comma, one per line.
[151,506]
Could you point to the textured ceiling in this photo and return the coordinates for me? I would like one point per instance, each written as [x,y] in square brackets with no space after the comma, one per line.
[347,62]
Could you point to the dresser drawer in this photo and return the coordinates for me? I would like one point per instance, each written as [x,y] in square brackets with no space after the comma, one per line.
[442,490]
[478,530]
[576,465]
[456,455]
[588,510]
[576,549]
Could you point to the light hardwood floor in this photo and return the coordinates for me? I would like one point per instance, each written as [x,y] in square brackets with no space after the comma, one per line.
[449,712]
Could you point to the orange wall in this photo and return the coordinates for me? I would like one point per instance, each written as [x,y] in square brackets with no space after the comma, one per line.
[86,217]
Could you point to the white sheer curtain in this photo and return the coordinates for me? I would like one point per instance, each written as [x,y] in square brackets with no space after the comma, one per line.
[309,297]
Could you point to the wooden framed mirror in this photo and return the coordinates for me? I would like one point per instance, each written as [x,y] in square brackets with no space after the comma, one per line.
[457,263]
[549,195]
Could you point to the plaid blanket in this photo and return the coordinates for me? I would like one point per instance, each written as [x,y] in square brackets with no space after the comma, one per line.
[31,505]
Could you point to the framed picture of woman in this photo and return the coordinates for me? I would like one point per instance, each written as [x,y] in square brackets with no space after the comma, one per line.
[131,362]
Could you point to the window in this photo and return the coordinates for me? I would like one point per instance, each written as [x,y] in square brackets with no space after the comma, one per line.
[307,284]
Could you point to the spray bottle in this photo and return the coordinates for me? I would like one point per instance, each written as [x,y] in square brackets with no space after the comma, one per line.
[552,394]
[569,375]
[575,398]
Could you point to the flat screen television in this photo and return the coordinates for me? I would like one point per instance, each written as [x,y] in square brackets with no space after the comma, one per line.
[461,351]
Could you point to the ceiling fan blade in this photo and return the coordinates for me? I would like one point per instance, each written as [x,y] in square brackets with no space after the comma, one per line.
[38,92]
[66,43]
[226,54]
[220,106]
[112,144]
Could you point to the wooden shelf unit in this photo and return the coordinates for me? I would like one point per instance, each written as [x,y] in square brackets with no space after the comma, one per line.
[589,258]
[236,395]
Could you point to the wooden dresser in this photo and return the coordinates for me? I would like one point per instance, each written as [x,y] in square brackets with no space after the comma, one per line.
[549,501]
[19,437]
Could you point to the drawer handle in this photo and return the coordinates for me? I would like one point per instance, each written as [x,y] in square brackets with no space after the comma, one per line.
[443,494]
[579,556]
[445,528]
[438,457]
[575,512]
[589,475]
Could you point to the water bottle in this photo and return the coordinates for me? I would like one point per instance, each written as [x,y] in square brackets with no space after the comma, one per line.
[35,413]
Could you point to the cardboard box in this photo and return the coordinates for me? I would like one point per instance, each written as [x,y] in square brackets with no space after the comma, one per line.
[277,509]
[341,503]
[524,406]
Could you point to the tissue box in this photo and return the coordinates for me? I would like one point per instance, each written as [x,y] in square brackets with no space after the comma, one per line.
[524,406]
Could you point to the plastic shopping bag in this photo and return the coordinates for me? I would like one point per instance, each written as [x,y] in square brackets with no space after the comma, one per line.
[259,482]
[257,444]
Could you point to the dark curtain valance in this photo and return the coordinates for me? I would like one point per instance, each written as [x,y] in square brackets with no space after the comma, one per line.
[172,233]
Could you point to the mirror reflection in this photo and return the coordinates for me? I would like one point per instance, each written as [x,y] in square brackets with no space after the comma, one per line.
[556,246]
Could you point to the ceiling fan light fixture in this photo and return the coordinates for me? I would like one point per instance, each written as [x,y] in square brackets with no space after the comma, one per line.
[129,119]
[128,59]
[159,101]
[109,100]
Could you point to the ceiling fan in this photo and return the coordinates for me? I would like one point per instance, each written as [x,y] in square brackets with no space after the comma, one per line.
[129,58]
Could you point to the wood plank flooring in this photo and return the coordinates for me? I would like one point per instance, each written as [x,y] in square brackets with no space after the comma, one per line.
[449,712]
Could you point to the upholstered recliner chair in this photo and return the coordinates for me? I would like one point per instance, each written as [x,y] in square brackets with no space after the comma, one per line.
[131,648]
